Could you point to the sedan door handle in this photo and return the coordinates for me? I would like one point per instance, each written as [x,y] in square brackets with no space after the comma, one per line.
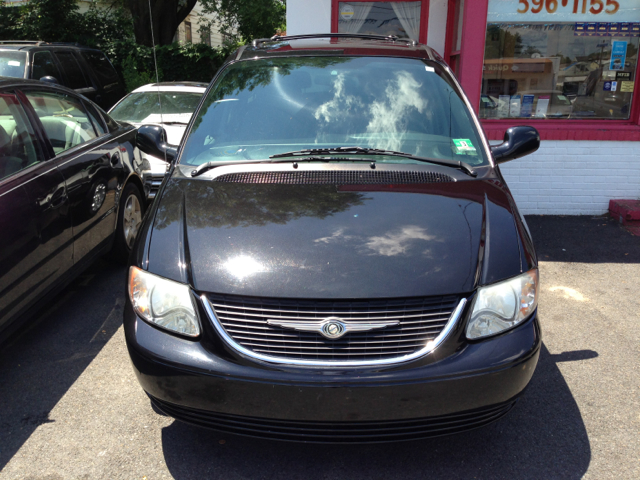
[58,198]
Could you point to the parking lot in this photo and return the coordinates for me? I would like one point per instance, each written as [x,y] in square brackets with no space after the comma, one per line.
[72,408]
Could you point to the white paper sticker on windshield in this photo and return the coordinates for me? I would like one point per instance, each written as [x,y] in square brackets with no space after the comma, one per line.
[463,146]
[13,63]
[430,69]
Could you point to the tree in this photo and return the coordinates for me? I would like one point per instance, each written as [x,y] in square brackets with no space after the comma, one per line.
[47,20]
[244,20]
[167,15]
[60,21]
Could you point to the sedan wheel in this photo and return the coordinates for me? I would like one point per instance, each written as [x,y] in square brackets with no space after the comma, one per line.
[130,213]
[132,219]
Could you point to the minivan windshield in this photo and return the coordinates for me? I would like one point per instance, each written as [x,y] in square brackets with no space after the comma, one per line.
[12,64]
[260,108]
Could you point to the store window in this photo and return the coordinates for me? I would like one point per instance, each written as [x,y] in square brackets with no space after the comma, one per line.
[560,59]
[402,19]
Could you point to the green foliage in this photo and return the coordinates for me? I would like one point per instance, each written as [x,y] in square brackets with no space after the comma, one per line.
[176,62]
[244,20]
[110,30]
[134,76]
[60,21]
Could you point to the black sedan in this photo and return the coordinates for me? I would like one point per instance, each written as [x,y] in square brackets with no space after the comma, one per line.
[70,190]
[335,255]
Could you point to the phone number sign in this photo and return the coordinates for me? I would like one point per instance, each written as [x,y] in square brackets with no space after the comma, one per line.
[560,11]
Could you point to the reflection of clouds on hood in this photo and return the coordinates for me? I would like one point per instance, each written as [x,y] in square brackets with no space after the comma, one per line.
[389,244]
[392,244]
[335,108]
[337,235]
[389,115]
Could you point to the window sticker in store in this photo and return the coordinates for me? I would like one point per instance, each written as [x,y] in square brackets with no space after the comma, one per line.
[463,146]
[618,55]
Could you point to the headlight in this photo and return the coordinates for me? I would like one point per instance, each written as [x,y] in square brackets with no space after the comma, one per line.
[163,302]
[502,306]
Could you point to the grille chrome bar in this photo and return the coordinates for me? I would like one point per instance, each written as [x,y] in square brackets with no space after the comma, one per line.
[293,335]
[323,313]
[229,322]
[343,315]
[395,351]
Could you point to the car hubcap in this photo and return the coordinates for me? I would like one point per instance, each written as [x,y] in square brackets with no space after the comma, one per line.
[132,219]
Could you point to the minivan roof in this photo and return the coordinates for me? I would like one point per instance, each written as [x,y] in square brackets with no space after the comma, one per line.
[33,44]
[336,44]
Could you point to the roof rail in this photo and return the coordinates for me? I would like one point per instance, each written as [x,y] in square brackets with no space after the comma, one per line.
[22,42]
[67,44]
[278,38]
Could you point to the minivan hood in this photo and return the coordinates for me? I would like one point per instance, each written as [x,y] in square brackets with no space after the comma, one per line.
[328,241]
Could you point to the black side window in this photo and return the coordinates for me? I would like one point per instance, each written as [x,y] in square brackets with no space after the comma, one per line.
[101,66]
[73,72]
[44,66]
[96,119]
[17,141]
[64,119]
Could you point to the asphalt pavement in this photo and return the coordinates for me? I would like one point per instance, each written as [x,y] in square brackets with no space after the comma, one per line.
[72,408]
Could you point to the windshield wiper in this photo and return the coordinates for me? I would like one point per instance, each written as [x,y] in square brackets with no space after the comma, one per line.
[213,164]
[319,155]
[468,169]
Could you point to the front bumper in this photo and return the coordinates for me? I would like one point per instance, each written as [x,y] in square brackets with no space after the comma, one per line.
[472,385]
[152,181]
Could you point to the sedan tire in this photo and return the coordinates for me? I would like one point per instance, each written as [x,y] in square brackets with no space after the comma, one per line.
[130,213]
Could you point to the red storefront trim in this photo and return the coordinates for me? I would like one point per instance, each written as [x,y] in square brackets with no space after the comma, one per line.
[424,15]
[568,129]
[470,76]
[474,27]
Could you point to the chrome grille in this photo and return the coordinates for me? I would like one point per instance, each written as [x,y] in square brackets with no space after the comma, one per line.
[336,177]
[152,184]
[421,320]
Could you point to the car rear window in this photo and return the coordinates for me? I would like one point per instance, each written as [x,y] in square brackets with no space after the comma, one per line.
[264,107]
[12,64]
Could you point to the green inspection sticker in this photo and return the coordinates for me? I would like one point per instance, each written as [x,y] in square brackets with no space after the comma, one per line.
[463,146]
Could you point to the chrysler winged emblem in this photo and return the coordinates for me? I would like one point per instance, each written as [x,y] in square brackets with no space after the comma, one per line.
[332,327]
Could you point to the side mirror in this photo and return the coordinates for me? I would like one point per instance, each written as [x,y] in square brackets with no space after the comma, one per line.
[518,142]
[152,140]
[49,79]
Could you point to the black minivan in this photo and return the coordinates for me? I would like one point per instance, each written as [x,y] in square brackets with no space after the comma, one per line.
[334,255]
[86,70]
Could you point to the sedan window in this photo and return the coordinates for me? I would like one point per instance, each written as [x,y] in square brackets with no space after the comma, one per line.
[17,142]
[64,119]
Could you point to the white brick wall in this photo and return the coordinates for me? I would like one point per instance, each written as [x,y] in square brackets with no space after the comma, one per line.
[574,177]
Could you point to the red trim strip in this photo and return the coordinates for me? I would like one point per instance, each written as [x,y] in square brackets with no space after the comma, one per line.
[567,129]
[474,27]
